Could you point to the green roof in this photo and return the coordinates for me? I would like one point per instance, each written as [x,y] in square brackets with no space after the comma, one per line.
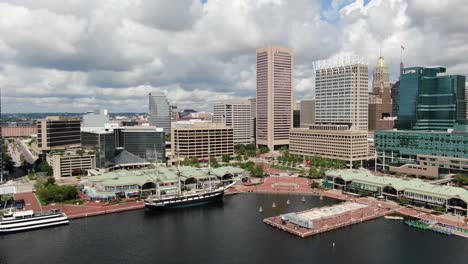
[413,185]
[164,174]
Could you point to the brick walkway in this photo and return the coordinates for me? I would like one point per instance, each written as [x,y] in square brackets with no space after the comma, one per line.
[30,200]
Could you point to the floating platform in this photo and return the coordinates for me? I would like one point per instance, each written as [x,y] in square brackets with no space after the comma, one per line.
[324,219]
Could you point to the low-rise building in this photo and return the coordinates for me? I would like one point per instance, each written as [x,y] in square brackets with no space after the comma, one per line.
[201,140]
[415,152]
[71,163]
[418,192]
[58,133]
[330,141]
[125,183]
[20,131]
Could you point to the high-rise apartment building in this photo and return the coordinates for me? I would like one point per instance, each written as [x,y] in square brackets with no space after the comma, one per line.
[58,133]
[160,111]
[274,96]
[341,93]
[307,112]
[236,114]
[380,100]
[432,99]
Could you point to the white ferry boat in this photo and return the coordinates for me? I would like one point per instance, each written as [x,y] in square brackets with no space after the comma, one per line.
[27,220]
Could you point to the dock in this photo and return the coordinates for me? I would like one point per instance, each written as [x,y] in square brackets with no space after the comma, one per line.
[324,219]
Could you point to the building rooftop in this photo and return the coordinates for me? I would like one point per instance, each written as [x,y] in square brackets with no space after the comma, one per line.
[164,174]
[416,185]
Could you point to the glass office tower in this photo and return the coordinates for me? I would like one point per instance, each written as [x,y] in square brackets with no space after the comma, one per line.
[430,99]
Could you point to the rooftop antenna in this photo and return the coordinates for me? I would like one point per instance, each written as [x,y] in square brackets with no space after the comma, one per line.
[401,57]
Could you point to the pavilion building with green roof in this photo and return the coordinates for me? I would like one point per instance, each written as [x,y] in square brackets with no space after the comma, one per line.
[124,183]
[420,193]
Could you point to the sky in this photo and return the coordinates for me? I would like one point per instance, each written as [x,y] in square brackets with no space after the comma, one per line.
[79,55]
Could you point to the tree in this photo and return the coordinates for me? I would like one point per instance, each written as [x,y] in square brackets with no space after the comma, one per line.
[79,152]
[315,185]
[239,158]
[44,166]
[246,158]
[214,162]
[460,180]
[226,158]
[263,149]
[257,172]
[404,201]
[439,209]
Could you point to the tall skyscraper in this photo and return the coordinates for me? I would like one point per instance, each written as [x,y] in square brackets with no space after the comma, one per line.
[380,101]
[432,99]
[274,96]
[160,111]
[341,92]
[235,114]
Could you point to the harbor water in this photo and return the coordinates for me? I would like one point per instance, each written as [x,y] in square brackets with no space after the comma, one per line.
[231,231]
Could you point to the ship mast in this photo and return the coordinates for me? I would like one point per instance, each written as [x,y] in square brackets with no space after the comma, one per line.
[158,191]
[209,160]
[178,170]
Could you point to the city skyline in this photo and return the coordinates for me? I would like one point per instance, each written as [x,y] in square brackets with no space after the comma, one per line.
[60,58]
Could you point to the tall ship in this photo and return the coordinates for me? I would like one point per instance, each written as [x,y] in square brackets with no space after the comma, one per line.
[186,198]
[188,188]
[28,220]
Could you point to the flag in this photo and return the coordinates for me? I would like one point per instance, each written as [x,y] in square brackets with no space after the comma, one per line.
[403,48]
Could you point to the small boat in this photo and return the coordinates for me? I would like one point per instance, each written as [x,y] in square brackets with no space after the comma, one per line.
[288,202]
[391,217]
[273,205]
[28,220]
[260,209]
[303,199]
[321,197]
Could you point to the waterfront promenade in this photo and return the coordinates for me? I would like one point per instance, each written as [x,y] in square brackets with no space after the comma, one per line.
[78,211]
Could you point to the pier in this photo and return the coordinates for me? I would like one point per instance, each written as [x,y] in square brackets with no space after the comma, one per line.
[324,219]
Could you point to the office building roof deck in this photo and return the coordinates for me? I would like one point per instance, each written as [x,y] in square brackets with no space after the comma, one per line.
[413,185]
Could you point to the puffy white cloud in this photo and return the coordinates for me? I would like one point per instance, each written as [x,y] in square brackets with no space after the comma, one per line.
[81,54]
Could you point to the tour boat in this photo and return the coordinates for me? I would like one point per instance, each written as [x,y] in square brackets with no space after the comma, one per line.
[27,220]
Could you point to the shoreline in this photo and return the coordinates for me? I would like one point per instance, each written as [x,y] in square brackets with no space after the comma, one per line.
[301,187]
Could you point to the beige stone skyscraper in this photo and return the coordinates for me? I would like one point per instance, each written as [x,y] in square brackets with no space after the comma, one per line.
[274,96]
[380,100]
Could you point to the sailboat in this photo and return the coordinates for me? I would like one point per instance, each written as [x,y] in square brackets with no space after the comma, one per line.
[183,198]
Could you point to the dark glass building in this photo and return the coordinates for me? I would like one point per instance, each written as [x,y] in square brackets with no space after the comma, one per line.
[102,143]
[432,99]
[395,98]
[139,141]
[142,142]
[296,118]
